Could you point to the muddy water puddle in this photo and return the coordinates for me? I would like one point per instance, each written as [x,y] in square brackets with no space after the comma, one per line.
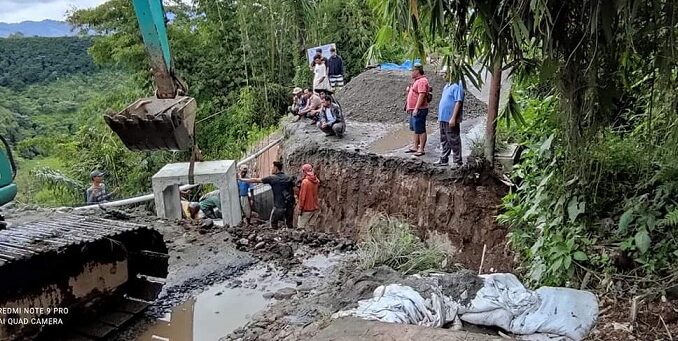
[396,139]
[218,310]
[222,308]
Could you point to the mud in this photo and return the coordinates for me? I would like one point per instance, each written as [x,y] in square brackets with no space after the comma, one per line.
[462,204]
[211,314]
[306,316]
[379,96]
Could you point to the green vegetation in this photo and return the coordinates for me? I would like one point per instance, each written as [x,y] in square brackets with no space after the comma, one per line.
[25,61]
[596,83]
[240,70]
[391,242]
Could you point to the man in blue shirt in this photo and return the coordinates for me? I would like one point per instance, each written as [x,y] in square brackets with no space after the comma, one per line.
[450,115]
[245,191]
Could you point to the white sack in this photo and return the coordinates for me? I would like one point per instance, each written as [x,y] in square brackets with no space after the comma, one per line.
[545,314]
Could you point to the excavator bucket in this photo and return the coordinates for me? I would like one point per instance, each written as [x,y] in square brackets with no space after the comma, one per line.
[152,123]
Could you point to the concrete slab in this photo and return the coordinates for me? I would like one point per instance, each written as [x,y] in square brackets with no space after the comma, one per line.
[221,173]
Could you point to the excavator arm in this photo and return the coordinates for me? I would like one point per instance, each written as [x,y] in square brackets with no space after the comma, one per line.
[166,120]
[151,17]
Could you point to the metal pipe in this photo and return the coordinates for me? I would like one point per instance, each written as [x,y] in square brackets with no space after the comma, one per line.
[149,197]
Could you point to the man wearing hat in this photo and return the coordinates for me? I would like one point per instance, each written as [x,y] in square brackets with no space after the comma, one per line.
[96,193]
[298,101]
[245,191]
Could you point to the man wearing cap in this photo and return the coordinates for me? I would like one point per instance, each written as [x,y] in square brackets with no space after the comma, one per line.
[307,207]
[96,193]
[335,69]
[245,191]
[417,108]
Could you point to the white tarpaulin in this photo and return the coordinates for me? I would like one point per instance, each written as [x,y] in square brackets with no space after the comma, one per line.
[503,301]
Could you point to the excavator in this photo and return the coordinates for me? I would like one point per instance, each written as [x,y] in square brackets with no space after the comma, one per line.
[91,275]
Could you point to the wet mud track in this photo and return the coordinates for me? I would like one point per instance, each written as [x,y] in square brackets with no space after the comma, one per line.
[228,274]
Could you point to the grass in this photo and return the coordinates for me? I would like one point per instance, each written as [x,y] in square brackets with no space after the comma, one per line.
[391,242]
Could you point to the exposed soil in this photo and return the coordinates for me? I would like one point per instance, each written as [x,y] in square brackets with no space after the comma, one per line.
[656,319]
[379,96]
[461,204]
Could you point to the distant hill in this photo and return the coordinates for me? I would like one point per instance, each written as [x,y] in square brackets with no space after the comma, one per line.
[30,60]
[45,28]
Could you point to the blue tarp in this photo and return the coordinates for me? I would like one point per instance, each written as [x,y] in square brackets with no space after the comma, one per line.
[405,66]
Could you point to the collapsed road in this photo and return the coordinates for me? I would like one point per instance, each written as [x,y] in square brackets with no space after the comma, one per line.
[256,283]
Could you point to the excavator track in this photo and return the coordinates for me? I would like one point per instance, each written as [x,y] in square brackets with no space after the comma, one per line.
[89,274]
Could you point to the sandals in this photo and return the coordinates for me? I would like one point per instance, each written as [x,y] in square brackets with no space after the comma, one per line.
[410,151]
[417,154]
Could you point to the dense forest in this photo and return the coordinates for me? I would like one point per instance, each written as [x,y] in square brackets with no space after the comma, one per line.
[25,61]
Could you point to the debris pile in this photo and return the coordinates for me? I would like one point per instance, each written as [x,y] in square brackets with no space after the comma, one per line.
[280,245]
[379,96]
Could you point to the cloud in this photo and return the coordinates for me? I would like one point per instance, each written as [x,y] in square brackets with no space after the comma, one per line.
[21,10]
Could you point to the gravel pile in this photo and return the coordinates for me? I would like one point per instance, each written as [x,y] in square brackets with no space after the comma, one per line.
[379,96]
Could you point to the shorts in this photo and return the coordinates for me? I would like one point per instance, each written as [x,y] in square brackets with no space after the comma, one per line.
[418,122]
[245,207]
[337,81]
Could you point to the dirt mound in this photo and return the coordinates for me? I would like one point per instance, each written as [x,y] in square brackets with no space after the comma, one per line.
[379,96]
[279,245]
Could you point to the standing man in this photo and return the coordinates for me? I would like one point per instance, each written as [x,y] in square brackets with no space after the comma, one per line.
[282,186]
[96,193]
[450,115]
[318,53]
[417,108]
[245,192]
[308,198]
[335,66]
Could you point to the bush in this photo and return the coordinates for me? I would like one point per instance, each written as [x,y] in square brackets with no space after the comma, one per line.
[391,242]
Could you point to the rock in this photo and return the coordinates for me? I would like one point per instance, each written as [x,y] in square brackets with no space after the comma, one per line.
[243,242]
[285,251]
[306,287]
[268,295]
[259,245]
[284,293]
[218,293]
[252,236]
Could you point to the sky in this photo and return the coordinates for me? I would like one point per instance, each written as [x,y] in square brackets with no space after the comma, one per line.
[13,11]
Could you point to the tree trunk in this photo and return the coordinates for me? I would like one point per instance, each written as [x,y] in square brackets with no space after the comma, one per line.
[493,112]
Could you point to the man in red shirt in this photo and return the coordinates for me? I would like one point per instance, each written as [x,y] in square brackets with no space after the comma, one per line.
[417,108]
[308,198]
